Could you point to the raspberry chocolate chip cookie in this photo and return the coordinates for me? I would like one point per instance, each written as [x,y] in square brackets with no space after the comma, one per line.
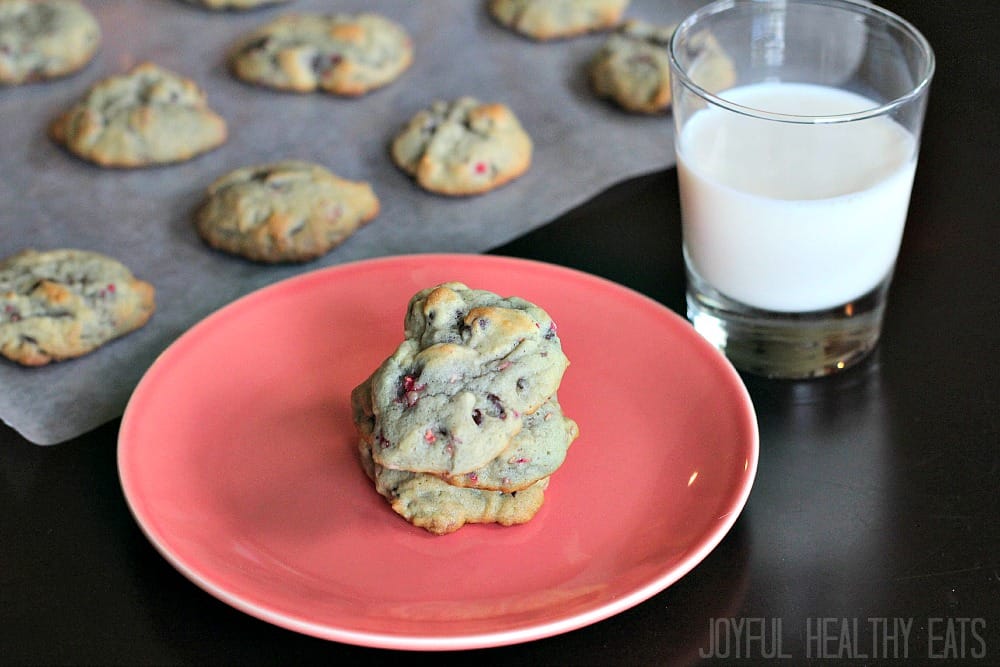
[45,39]
[534,453]
[457,390]
[289,211]
[341,54]
[537,450]
[557,19]
[463,147]
[65,303]
[633,67]
[440,508]
[148,116]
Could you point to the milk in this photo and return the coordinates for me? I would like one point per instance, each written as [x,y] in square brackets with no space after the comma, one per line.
[793,217]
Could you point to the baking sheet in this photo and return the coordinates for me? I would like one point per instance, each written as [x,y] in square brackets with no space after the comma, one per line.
[49,199]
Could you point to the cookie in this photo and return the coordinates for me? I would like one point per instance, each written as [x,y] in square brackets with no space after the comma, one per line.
[557,19]
[457,389]
[148,116]
[341,54]
[238,5]
[289,211]
[65,303]
[436,506]
[632,68]
[537,450]
[463,147]
[45,39]
[535,453]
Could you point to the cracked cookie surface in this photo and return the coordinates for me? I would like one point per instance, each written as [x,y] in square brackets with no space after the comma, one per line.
[463,147]
[287,211]
[341,54]
[64,303]
[45,39]
[557,19]
[145,117]
[455,392]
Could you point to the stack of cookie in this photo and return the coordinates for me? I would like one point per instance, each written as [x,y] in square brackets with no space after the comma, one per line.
[461,424]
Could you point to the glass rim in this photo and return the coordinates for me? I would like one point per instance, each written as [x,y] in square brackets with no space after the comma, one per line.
[862,6]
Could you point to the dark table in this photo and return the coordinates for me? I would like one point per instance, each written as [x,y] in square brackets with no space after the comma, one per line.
[873,528]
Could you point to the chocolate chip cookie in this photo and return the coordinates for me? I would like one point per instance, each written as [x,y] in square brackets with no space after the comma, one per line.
[148,116]
[61,304]
[557,19]
[288,211]
[463,147]
[632,68]
[44,39]
[341,54]
[536,452]
[440,508]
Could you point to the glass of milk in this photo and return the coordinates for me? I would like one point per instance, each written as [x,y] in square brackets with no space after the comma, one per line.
[797,126]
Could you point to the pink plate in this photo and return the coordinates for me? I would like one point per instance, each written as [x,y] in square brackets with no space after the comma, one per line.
[237,458]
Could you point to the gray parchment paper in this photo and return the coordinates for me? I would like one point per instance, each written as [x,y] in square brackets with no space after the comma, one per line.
[49,199]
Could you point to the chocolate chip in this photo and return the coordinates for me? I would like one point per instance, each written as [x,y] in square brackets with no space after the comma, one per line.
[323,62]
[498,405]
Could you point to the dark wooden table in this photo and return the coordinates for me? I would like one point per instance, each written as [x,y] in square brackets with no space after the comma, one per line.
[873,528]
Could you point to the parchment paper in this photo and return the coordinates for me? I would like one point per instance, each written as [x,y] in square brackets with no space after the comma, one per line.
[49,199]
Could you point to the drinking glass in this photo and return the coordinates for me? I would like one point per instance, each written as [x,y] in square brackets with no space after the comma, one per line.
[797,127]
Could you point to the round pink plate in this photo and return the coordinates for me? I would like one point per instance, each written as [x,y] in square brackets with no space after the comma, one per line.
[237,456]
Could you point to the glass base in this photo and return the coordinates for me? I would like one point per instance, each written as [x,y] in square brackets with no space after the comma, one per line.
[787,345]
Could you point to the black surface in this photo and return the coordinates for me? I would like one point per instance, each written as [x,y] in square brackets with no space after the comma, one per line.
[876,496]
